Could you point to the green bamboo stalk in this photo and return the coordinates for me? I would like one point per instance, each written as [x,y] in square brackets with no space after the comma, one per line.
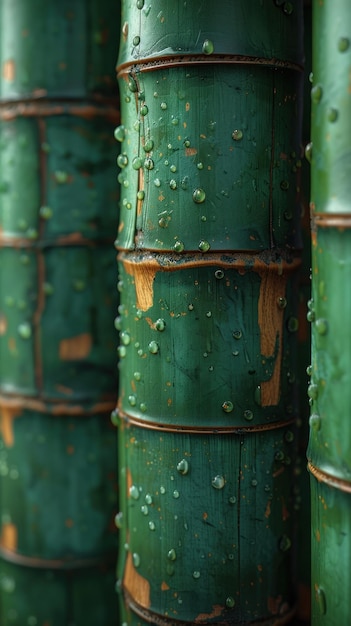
[329,389]
[58,209]
[208,240]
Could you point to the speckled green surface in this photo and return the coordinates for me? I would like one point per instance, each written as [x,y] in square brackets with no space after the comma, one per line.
[209,250]
[329,389]
[58,299]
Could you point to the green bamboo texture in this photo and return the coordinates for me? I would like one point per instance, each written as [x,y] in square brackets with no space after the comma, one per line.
[209,248]
[329,389]
[58,211]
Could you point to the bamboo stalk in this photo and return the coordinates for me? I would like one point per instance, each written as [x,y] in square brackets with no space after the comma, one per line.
[209,251]
[58,209]
[329,389]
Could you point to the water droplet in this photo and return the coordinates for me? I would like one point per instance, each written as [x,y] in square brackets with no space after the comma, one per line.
[227,406]
[122,160]
[293,324]
[119,520]
[136,559]
[320,600]
[343,44]
[309,370]
[125,338]
[208,313]
[237,334]
[199,195]
[114,417]
[308,152]
[288,8]
[281,302]
[152,525]
[312,391]
[187,143]
[163,106]
[237,135]
[61,177]
[149,164]
[153,347]
[120,133]
[134,492]
[143,407]
[173,184]
[137,163]
[332,114]
[176,494]
[132,400]
[207,47]
[257,395]
[219,274]
[218,482]
[316,93]
[140,4]
[190,307]
[148,498]
[310,316]
[122,351]
[200,166]
[141,194]
[144,109]
[171,555]
[178,246]
[289,436]
[25,330]
[279,455]
[232,500]
[196,574]
[157,182]
[284,185]
[254,482]
[132,85]
[45,212]
[204,246]
[322,326]
[173,168]
[144,509]
[183,467]
[148,145]
[160,324]
[315,422]
[284,543]
[136,40]
[230,602]
[248,415]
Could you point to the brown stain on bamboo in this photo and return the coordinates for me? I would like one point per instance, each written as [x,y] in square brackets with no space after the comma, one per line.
[9,70]
[9,537]
[203,617]
[3,325]
[144,276]
[136,585]
[75,347]
[7,415]
[270,321]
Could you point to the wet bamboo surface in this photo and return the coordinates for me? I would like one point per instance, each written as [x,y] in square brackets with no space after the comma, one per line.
[58,213]
[209,250]
[329,389]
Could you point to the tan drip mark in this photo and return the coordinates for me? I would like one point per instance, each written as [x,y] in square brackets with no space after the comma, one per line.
[9,536]
[76,347]
[270,321]
[144,275]
[9,70]
[136,585]
[7,415]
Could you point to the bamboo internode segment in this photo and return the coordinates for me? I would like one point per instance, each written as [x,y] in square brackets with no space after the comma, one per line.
[330,385]
[58,210]
[209,250]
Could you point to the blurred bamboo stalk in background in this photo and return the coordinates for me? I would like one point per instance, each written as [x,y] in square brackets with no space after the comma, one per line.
[209,250]
[58,211]
[330,386]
